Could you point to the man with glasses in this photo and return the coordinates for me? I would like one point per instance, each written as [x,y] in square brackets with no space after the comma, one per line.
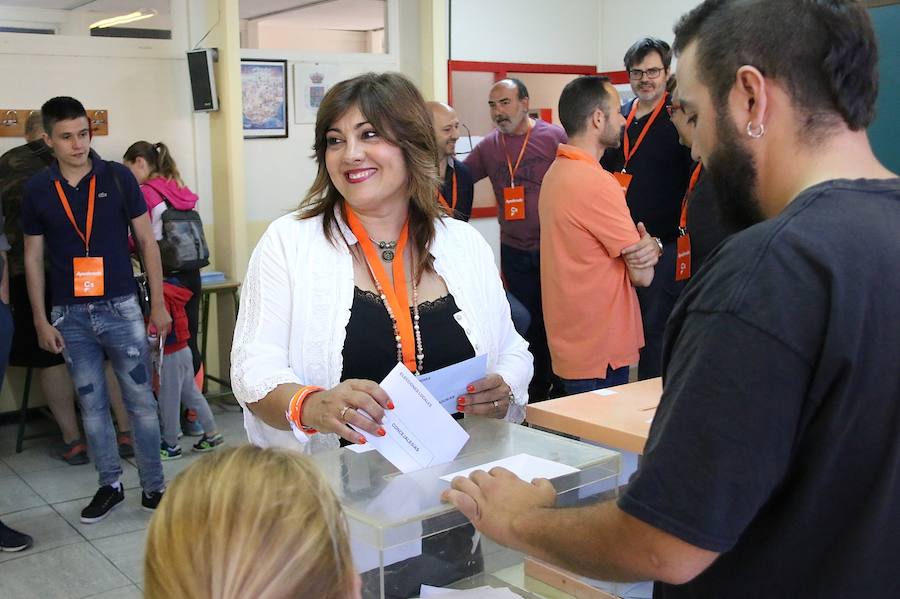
[654,169]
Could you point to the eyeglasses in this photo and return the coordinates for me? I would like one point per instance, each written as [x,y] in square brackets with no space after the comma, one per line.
[673,108]
[638,74]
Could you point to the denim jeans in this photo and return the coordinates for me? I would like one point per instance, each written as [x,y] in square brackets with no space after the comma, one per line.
[116,327]
[614,376]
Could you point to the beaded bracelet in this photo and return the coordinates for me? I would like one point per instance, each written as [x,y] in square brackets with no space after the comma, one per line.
[295,407]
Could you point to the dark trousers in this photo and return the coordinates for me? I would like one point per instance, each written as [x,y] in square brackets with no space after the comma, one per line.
[191,280]
[522,272]
[6,333]
[657,302]
[614,377]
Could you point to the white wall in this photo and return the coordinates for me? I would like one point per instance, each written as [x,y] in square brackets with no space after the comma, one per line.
[623,23]
[531,31]
[280,35]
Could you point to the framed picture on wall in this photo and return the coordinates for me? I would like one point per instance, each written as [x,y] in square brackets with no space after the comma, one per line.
[264,98]
[311,81]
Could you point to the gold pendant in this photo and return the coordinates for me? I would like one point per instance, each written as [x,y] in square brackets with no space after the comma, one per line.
[387,255]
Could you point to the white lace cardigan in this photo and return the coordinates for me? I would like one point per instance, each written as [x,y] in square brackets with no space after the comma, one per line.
[295,305]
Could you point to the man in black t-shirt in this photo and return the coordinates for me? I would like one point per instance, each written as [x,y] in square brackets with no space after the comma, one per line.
[772,467]
[659,168]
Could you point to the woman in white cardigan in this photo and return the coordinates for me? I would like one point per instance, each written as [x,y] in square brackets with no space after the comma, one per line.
[367,273]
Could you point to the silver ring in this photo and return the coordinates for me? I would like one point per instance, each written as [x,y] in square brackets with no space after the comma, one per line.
[343,412]
[496,404]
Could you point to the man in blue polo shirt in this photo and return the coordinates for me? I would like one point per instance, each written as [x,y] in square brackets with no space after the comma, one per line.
[80,208]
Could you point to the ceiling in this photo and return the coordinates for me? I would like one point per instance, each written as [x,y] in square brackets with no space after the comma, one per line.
[352,15]
[104,6]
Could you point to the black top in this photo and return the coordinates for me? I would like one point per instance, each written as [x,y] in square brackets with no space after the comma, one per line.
[661,169]
[465,189]
[370,351]
[777,438]
[16,167]
[43,214]
[704,224]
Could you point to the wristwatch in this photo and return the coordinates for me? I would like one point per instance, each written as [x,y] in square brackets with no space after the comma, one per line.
[659,243]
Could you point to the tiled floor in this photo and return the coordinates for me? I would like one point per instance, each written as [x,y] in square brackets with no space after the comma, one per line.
[43,496]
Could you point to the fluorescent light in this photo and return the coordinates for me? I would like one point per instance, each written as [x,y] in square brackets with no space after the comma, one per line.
[123,19]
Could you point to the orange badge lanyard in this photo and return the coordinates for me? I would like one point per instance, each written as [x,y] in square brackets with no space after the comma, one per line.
[396,293]
[513,169]
[450,207]
[682,226]
[626,142]
[89,225]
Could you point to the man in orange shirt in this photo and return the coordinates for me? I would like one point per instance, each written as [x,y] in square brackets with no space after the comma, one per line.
[592,255]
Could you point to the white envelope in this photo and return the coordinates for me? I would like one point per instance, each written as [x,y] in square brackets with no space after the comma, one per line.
[420,432]
[448,383]
[525,466]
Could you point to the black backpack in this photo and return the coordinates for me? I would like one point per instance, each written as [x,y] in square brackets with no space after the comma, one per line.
[183,245]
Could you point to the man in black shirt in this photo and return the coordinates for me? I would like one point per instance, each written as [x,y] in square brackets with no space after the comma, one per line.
[772,468]
[658,169]
[457,189]
[703,227]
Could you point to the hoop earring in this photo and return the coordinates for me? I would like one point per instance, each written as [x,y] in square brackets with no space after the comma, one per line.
[755,134]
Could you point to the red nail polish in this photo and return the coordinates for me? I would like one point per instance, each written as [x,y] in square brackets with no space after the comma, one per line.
[381,432]
[361,441]
[471,388]
[461,400]
[390,405]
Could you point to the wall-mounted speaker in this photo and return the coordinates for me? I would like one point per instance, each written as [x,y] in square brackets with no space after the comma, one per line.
[203,79]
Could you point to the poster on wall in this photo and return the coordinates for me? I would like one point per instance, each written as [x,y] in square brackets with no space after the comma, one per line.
[264,98]
[311,81]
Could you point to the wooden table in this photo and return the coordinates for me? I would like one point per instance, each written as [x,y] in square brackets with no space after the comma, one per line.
[618,417]
[207,290]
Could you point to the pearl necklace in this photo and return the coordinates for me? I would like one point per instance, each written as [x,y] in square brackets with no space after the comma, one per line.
[420,351]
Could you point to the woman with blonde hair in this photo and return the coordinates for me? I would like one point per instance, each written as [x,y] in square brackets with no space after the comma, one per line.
[249,522]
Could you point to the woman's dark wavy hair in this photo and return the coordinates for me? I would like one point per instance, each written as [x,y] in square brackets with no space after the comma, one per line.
[395,108]
[823,51]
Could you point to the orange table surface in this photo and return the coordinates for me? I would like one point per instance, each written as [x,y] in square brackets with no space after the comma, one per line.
[619,420]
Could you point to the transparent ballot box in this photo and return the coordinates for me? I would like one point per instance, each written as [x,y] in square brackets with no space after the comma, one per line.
[403,536]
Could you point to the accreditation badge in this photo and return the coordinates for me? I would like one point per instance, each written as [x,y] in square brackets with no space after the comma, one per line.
[514,203]
[88,276]
[624,180]
[683,258]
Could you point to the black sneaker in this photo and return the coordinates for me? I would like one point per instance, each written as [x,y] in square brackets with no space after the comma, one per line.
[150,501]
[13,540]
[106,498]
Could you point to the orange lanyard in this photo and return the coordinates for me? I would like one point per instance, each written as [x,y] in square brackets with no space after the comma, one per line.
[89,225]
[450,207]
[684,203]
[396,293]
[626,142]
[513,169]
